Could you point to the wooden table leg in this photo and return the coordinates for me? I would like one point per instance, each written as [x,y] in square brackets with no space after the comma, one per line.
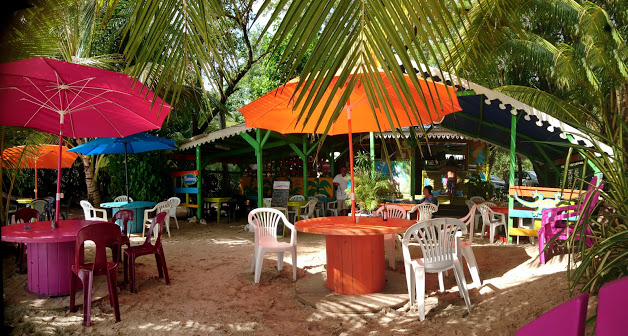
[355,264]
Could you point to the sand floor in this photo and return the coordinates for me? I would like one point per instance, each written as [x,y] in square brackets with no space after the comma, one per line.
[212,292]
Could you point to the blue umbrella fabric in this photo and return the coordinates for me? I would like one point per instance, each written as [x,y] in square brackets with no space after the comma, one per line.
[136,143]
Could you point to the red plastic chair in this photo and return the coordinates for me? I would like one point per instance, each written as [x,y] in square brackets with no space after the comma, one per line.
[131,253]
[556,220]
[611,308]
[567,319]
[24,215]
[102,234]
[125,216]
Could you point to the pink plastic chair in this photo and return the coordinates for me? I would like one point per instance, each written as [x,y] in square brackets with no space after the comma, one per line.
[102,234]
[24,215]
[125,216]
[131,253]
[394,211]
[566,320]
[555,220]
[611,308]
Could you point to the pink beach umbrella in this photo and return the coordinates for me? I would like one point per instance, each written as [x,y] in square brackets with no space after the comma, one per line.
[76,101]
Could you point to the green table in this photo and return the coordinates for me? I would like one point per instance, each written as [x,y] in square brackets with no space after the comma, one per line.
[218,200]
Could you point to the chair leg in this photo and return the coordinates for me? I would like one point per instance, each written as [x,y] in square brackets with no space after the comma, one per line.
[164,266]
[159,268]
[132,271]
[419,276]
[126,268]
[168,226]
[411,285]
[541,242]
[72,292]
[279,261]
[294,264]
[258,264]
[87,278]
[113,291]
[469,257]
[441,285]
[492,228]
[253,261]
[177,222]
[462,284]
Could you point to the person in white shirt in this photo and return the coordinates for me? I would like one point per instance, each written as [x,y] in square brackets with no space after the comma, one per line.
[340,182]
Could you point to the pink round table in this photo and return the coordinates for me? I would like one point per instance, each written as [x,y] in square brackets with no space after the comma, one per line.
[50,253]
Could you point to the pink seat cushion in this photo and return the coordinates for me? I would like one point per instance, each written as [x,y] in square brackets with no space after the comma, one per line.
[611,308]
[567,319]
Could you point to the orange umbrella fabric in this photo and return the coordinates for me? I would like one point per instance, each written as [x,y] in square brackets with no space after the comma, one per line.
[275,110]
[42,156]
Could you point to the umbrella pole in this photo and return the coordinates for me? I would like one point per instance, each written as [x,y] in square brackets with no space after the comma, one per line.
[58,195]
[126,174]
[36,180]
[351,163]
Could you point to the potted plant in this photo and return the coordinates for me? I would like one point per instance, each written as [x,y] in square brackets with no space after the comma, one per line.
[370,188]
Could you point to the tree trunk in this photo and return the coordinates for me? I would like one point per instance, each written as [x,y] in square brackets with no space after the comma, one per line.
[93,194]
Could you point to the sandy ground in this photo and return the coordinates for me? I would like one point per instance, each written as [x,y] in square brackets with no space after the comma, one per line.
[212,292]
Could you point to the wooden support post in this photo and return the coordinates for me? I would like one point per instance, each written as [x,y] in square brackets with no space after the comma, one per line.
[199,197]
[511,177]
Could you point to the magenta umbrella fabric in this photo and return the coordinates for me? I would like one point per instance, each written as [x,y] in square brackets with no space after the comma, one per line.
[76,101]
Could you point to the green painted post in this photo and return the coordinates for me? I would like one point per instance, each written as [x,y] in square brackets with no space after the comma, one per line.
[199,197]
[413,173]
[260,168]
[372,151]
[511,178]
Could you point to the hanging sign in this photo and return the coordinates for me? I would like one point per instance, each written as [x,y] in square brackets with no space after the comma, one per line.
[189,179]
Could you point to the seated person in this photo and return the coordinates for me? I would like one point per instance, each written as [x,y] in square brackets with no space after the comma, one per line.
[429,198]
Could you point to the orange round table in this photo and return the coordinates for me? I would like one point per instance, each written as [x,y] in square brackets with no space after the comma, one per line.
[355,251]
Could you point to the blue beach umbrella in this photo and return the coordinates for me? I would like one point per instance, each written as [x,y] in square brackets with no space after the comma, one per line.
[136,143]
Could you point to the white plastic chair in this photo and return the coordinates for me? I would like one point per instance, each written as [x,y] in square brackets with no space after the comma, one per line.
[437,239]
[465,247]
[123,199]
[291,211]
[164,206]
[175,201]
[332,207]
[491,219]
[394,211]
[476,217]
[265,221]
[307,211]
[91,213]
[425,211]
[477,198]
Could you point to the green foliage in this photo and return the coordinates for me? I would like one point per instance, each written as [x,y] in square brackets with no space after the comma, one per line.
[148,180]
[370,189]
[477,187]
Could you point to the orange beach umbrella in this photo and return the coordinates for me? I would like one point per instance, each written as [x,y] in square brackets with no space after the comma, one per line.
[276,111]
[42,156]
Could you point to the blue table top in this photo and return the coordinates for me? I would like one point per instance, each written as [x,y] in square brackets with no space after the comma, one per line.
[137,204]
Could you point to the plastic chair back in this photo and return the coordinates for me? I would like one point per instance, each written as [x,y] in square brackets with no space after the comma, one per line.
[566,320]
[158,221]
[477,198]
[265,222]
[25,215]
[123,198]
[394,211]
[103,235]
[611,308]
[42,206]
[174,202]
[438,241]
[425,210]
[87,207]
[469,221]
[311,206]
[125,216]
[297,198]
